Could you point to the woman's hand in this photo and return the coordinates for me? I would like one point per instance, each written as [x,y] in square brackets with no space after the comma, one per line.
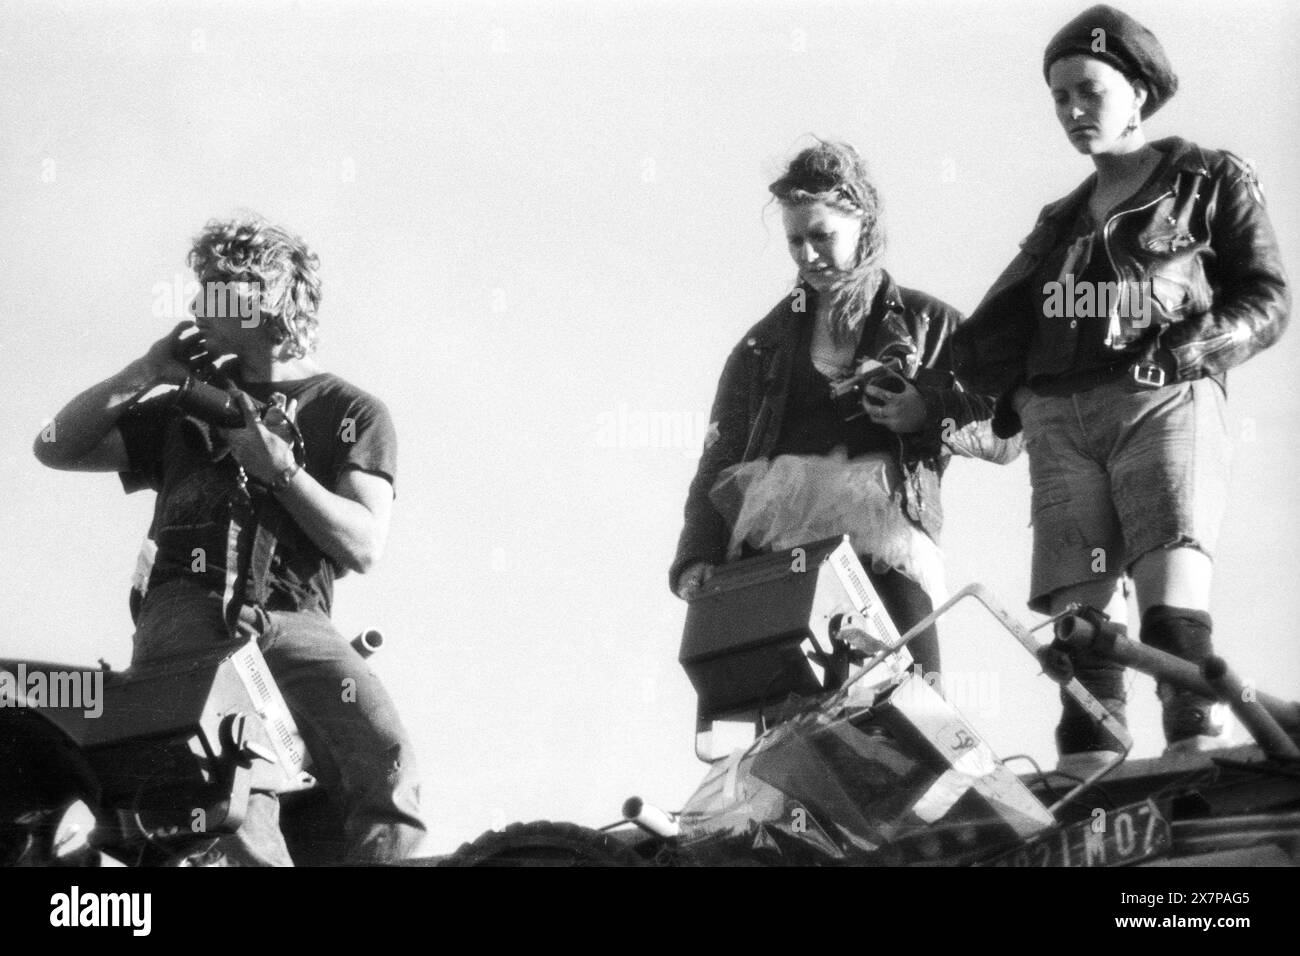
[692,579]
[901,412]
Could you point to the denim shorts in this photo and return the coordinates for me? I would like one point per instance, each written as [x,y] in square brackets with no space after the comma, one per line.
[1117,472]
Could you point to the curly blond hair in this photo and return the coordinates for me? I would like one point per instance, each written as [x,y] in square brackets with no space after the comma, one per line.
[251,249]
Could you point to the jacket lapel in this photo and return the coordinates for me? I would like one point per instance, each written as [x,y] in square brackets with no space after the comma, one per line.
[775,350]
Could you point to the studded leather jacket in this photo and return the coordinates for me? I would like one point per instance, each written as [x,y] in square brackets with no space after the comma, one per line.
[1195,241]
[753,395]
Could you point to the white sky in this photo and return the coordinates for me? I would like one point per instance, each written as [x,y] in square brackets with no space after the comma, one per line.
[541,227]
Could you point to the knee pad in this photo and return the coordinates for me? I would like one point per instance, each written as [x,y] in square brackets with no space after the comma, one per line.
[1181,631]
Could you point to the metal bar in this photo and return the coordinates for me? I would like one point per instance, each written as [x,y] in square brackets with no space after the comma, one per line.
[1166,667]
[1268,733]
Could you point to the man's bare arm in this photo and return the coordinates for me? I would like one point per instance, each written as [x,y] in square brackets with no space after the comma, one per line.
[83,436]
[349,524]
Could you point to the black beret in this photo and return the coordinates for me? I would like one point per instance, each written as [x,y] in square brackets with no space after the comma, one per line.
[1114,37]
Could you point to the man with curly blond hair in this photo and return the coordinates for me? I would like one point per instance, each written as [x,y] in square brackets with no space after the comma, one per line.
[316,461]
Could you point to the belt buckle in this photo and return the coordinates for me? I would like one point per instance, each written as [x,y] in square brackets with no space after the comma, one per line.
[1147,374]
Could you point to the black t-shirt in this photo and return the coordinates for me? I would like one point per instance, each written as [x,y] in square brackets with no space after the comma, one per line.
[343,428]
[1081,253]
[1069,351]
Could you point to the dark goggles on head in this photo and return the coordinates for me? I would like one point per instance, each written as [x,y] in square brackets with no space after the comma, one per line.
[815,184]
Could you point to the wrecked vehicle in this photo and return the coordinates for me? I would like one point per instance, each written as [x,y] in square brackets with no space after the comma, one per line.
[858,760]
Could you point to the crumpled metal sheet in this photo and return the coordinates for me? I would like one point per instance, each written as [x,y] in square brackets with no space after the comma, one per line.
[837,785]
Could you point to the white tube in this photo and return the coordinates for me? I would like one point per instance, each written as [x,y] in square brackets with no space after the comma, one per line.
[368,641]
[650,818]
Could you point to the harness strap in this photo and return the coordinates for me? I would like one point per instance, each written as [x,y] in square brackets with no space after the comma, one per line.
[259,565]
[250,545]
[243,521]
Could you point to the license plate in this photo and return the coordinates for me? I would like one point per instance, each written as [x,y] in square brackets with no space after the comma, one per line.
[1117,838]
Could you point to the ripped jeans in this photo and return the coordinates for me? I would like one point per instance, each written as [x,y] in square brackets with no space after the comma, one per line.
[361,753]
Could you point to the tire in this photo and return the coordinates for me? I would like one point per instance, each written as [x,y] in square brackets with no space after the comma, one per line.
[40,768]
[544,844]
[41,772]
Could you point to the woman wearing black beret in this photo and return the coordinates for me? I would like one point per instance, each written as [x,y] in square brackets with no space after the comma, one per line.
[1108,339]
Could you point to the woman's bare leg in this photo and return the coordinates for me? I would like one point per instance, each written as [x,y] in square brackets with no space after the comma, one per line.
[1179,577]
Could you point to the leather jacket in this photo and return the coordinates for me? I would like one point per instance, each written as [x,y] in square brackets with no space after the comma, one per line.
[752,395]
[1196,236]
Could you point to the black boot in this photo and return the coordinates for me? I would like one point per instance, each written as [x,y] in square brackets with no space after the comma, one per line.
[1078,732]
[1186,634]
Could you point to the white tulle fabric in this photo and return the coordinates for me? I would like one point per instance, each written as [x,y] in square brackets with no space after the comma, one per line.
[795,499]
